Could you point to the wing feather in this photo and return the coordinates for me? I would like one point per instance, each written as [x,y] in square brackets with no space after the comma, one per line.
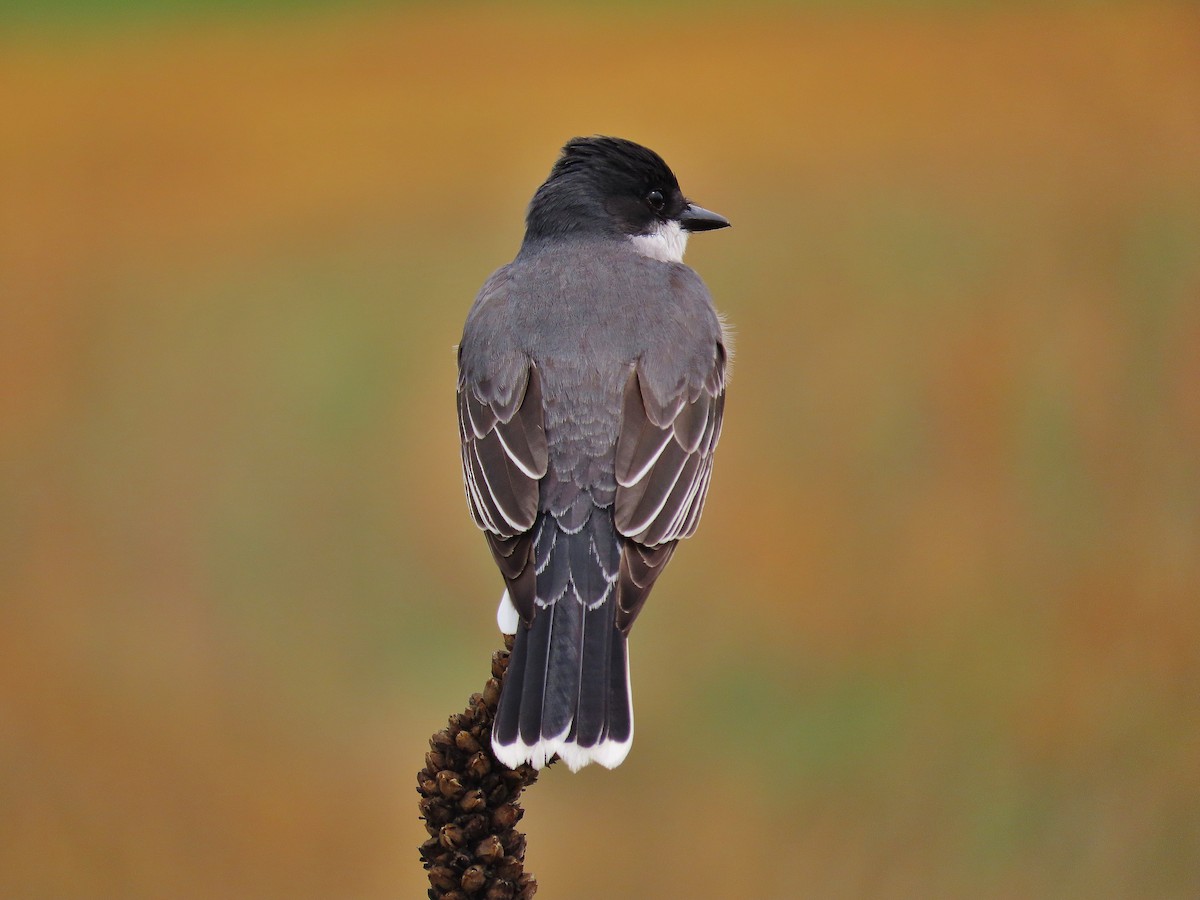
[504,453]
[504,491]
[663,465]
[501,425]
[664,457]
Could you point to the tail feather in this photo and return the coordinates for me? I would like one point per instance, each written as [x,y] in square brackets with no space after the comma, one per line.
[620,709]
[594,683]
[537,666]
[567,690]
[507,724]
[562,667]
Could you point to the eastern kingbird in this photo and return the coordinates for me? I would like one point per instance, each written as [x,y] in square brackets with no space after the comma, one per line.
[591,385]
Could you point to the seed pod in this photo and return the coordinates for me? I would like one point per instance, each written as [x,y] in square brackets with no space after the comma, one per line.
[508,869]
[478,765]
[449,784]
[472,801]
[506,816]
[431,849]
[466,742]
[489,849]
[443,878]
[501,890]
[475,826]
[437,812]
[499,664]
[451,836]
[491,693]
[474,879]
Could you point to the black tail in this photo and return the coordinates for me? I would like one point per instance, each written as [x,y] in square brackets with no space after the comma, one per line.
[567,687]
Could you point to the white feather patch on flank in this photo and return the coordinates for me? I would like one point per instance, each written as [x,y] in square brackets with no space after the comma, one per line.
[665,243]
[507,617]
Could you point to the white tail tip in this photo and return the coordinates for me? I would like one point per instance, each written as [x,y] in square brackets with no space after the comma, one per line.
[607,753]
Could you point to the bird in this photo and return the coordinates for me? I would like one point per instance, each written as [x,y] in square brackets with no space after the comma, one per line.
[591,390]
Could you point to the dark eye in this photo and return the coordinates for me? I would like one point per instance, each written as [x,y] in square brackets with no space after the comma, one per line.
[656,201]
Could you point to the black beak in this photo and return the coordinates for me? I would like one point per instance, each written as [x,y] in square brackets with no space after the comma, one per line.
[696,218]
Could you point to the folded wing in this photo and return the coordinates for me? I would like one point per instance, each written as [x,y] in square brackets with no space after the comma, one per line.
[663,464]
[504,454]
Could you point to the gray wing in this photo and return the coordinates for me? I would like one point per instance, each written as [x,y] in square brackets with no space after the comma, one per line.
[504,454]
[663,464]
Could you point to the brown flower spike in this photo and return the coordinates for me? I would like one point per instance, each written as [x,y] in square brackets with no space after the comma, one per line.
[469,805]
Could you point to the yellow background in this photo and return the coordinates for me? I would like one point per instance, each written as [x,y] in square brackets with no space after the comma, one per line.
[938,635]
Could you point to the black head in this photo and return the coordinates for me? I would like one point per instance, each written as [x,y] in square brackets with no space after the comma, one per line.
[610,186]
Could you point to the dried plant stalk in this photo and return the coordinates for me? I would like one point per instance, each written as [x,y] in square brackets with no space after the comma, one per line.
[469,805]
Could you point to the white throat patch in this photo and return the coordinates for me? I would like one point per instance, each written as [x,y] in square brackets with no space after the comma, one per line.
[665,243]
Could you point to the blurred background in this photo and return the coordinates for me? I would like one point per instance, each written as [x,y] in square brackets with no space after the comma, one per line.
[938,634]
